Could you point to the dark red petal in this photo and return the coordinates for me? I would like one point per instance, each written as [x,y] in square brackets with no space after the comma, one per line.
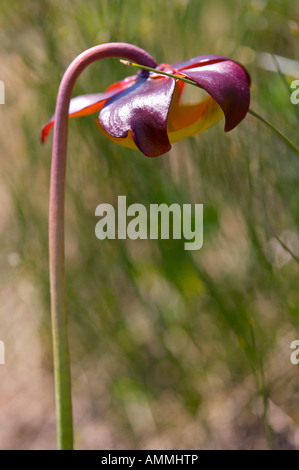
[143,108]
[80,105]
[206,59]
[199,60]
[227,82]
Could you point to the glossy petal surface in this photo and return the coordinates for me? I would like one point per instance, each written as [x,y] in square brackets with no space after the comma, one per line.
[199,60]
[143,110]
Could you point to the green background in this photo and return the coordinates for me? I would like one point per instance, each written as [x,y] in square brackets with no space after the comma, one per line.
[170,349]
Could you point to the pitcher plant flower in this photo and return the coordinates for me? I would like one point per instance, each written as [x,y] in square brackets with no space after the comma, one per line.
[146,111]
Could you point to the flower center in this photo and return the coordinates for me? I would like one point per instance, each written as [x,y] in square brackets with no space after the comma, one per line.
[164,68]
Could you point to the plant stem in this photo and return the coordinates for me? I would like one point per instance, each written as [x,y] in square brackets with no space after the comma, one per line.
[286,140]
[258,370]
[56,228]
[284,246]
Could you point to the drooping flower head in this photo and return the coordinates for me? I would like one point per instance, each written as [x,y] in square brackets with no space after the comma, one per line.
[146,111]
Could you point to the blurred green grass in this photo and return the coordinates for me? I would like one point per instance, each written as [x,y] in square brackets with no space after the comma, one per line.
[184,349]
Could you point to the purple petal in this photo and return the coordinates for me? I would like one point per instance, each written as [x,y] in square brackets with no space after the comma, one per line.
[201,59]
[143,109]
[227,82]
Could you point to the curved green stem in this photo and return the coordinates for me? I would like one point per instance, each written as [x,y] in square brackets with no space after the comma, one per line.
[56,228]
